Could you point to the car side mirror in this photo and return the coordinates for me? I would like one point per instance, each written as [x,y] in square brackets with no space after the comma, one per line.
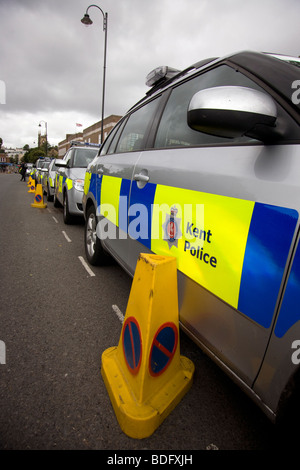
[232,111]
[60,163]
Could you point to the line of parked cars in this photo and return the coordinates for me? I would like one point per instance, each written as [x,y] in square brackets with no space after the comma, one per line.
[62,180]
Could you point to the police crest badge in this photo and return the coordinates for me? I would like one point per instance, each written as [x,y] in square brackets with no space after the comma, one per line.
[171,228]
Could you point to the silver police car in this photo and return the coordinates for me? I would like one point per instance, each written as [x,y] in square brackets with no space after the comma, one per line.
[40,164]
[206,168]
[69,179]
[48,181]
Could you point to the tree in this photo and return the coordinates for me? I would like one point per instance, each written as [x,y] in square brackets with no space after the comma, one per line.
[32,155]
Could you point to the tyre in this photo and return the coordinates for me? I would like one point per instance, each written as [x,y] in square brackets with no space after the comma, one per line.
[56,202]
[49,197]
[68,218]
[95,254]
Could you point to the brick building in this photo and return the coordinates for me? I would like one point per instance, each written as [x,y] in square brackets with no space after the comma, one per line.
[91,134]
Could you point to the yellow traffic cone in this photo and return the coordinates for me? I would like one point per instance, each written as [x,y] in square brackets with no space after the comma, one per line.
[145,375]
[32,186]
[38,198]
[29,181]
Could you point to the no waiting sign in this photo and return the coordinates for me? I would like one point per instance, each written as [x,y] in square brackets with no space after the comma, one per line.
[163,348]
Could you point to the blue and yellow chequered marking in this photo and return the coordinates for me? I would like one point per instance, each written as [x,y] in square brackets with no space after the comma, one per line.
[224,223]
[61,180]
[242,251]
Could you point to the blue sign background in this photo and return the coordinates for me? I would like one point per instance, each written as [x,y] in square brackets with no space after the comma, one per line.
[163,348]
[132,344]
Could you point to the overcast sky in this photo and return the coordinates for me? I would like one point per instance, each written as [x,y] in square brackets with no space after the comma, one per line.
[51,65]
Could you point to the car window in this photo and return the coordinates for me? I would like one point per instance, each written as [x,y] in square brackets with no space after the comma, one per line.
[52,166]
[82,157]
[107,148]
[174,131]
[68,156]
[116,137]
[132,137]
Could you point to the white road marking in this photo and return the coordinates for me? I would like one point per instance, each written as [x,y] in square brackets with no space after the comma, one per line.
[86,266]
[118,313]
[55,220]
[66,236]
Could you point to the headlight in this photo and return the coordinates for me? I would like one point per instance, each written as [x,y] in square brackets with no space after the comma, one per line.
[79,185]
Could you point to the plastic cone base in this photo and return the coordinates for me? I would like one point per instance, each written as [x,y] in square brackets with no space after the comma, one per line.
[141,420]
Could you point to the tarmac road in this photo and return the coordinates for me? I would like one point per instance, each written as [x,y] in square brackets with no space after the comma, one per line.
[56,320]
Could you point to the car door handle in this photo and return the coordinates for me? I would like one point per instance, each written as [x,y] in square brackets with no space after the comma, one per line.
[141,177]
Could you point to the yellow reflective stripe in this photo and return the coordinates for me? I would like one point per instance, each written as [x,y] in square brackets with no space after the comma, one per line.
[214,237]
[60,181]
[110,194]
[69,183]
[87,180]
[51,181]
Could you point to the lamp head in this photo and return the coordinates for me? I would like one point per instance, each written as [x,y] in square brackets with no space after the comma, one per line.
[86,20]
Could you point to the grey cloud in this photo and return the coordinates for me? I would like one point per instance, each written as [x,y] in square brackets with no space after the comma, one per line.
[52,65]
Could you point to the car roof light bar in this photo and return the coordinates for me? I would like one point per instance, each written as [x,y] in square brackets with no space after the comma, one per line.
[75,143]
[160,74]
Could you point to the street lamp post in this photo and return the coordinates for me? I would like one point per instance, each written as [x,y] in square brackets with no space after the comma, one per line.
[46,135]
[86,20]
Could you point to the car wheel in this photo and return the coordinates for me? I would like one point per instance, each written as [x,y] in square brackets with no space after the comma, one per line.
[93,248]
[56,202]
[49,197]
[68,219]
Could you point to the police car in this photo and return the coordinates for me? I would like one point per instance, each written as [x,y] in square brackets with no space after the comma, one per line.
[48,181]
[206,168]
[40,163]
[69,179]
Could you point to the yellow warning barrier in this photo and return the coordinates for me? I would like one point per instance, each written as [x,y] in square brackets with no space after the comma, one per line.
[31,186]
[145,375]
[38,198]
